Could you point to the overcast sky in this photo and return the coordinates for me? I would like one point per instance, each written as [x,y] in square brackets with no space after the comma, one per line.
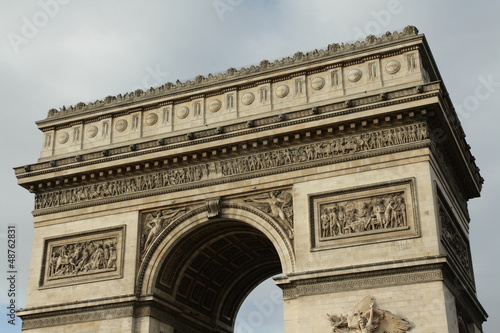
[54,55]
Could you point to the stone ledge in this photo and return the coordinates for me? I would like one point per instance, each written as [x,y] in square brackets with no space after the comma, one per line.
[326,111]
[362,277]
[218,177]
[83,304]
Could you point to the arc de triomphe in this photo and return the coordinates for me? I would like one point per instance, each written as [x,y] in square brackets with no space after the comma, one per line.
[343,170]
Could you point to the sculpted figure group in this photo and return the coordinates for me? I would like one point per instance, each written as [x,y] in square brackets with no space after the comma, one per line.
[82,257]
[155,222]
[457,244]
[235,166]
[364,317]
[278,204]
[355,216]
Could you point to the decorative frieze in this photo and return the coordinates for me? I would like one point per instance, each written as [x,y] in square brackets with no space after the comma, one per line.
[96,314]
[455,243]
[193,111]
[362,215]
[360,282]
[344,218]
[232,130]
[85,257]
[283,158]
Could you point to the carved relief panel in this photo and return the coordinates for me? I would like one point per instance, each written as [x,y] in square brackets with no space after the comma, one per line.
[366,317]
[278,204]
[188,114]
[374,213]
[341,146]
[153,223]
[81,258]
[126,127]
[454,240]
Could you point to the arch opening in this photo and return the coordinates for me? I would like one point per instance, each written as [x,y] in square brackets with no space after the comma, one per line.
[209,272]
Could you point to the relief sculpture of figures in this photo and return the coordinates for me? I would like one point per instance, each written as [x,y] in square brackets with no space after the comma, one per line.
[155,222]
[364,317]
[335,147]
[82,257]
[452,239]
[278,203]
[362,215]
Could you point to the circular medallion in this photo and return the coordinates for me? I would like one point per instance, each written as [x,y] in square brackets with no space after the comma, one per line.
[63,137]
[121,125]
[354,75]
[247,98]
[214,105]
[282,91]
[92,131]
[317,83]
[151,119]
[182,112]
[393,66]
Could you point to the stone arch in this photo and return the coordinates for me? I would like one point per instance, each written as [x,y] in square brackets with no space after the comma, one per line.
[209,266]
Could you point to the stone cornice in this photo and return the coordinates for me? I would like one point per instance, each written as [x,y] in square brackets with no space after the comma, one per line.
[106,309]
[459,171]
[78,312]
[232,74]
[118,156]
[455,148]
[352,269]
[333,110]
[379,275]
[87,303]
[306,153]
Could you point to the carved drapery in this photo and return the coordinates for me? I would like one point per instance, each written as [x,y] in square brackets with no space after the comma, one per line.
[266,160]
[213,208]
